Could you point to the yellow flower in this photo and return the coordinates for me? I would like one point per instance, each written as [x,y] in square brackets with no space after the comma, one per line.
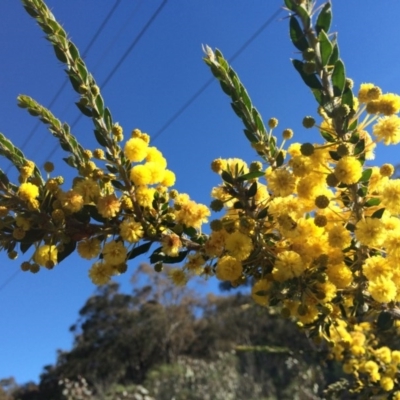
[382,289]
[348,170]
[89,248]
[108,206]
[368,92]
[387,383]
[71,200]
[228,269]
[389,104]
[387,129]
[114,253]
[136,149]
[28,191]
[191,214]
[177,276]
[168,179]
[340,275]
[45,254]
[130,230]
[156,170]
[195,263]
[377,266]
[391,196]
[145,195]
[239,245]
[339,236]
[100,273]
[88,189]
[281,182]
[155,155]
[141,175]
[287,266]
[370,231]
[171,244]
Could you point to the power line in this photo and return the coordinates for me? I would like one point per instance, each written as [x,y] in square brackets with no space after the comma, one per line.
[212,79]
[118,64]
[9,279]
[62,87]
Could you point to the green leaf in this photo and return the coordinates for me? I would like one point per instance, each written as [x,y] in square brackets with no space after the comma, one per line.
[71,161]
[237,110]
[137,251]
[108,119]
[326,47]
[94,213]
[227,177]
[280,159]
[360,147]
[385,321]
[190,231]
[310,80]
[250,175]
[112,169]
[334,55]
[252,190]
[250,136]
[73,51]
[118,185]
[291,5]
[100,138]
[338,78]
[69,248]
[366,175]
[84,110]
[173,260]
[334,155]
[348,98]
[75,81]
[245,98]
[328,137]
[362,191]
[263,213]
[238,205]
[82,70]
[297,35]
[99,105]
[60,54]
[324,19]
[354,138]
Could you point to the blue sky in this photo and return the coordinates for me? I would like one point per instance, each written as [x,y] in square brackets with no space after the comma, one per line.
[163,71]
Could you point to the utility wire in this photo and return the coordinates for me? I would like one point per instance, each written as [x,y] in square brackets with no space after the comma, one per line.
[62,87]
[212,79]
[54,99]
[185,105]
[118,64]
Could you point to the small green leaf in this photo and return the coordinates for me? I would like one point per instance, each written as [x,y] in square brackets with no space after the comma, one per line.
[334,55]
[227,177]
[366,175]
[112,169]
[362,191]
[84,110]
[174,260]
[73,51]
[385,321]
[334,155]
[252,190]
[237,110]
[137,251]
[324,19]
[297,35]
[249,176]
[75,81]
[326,47]
[60,54]
[280,159]
[360,147]
[118,185]
[263,213]
[250,136]
[108,119]
[99,105]
[100,138]
[338,78]
[24,247]
[68,249]
[190,231]
[348,98]
[238,205]
[328,137]
[245,98]
[310,80]
[71,161]
[291,5]
[354,138]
